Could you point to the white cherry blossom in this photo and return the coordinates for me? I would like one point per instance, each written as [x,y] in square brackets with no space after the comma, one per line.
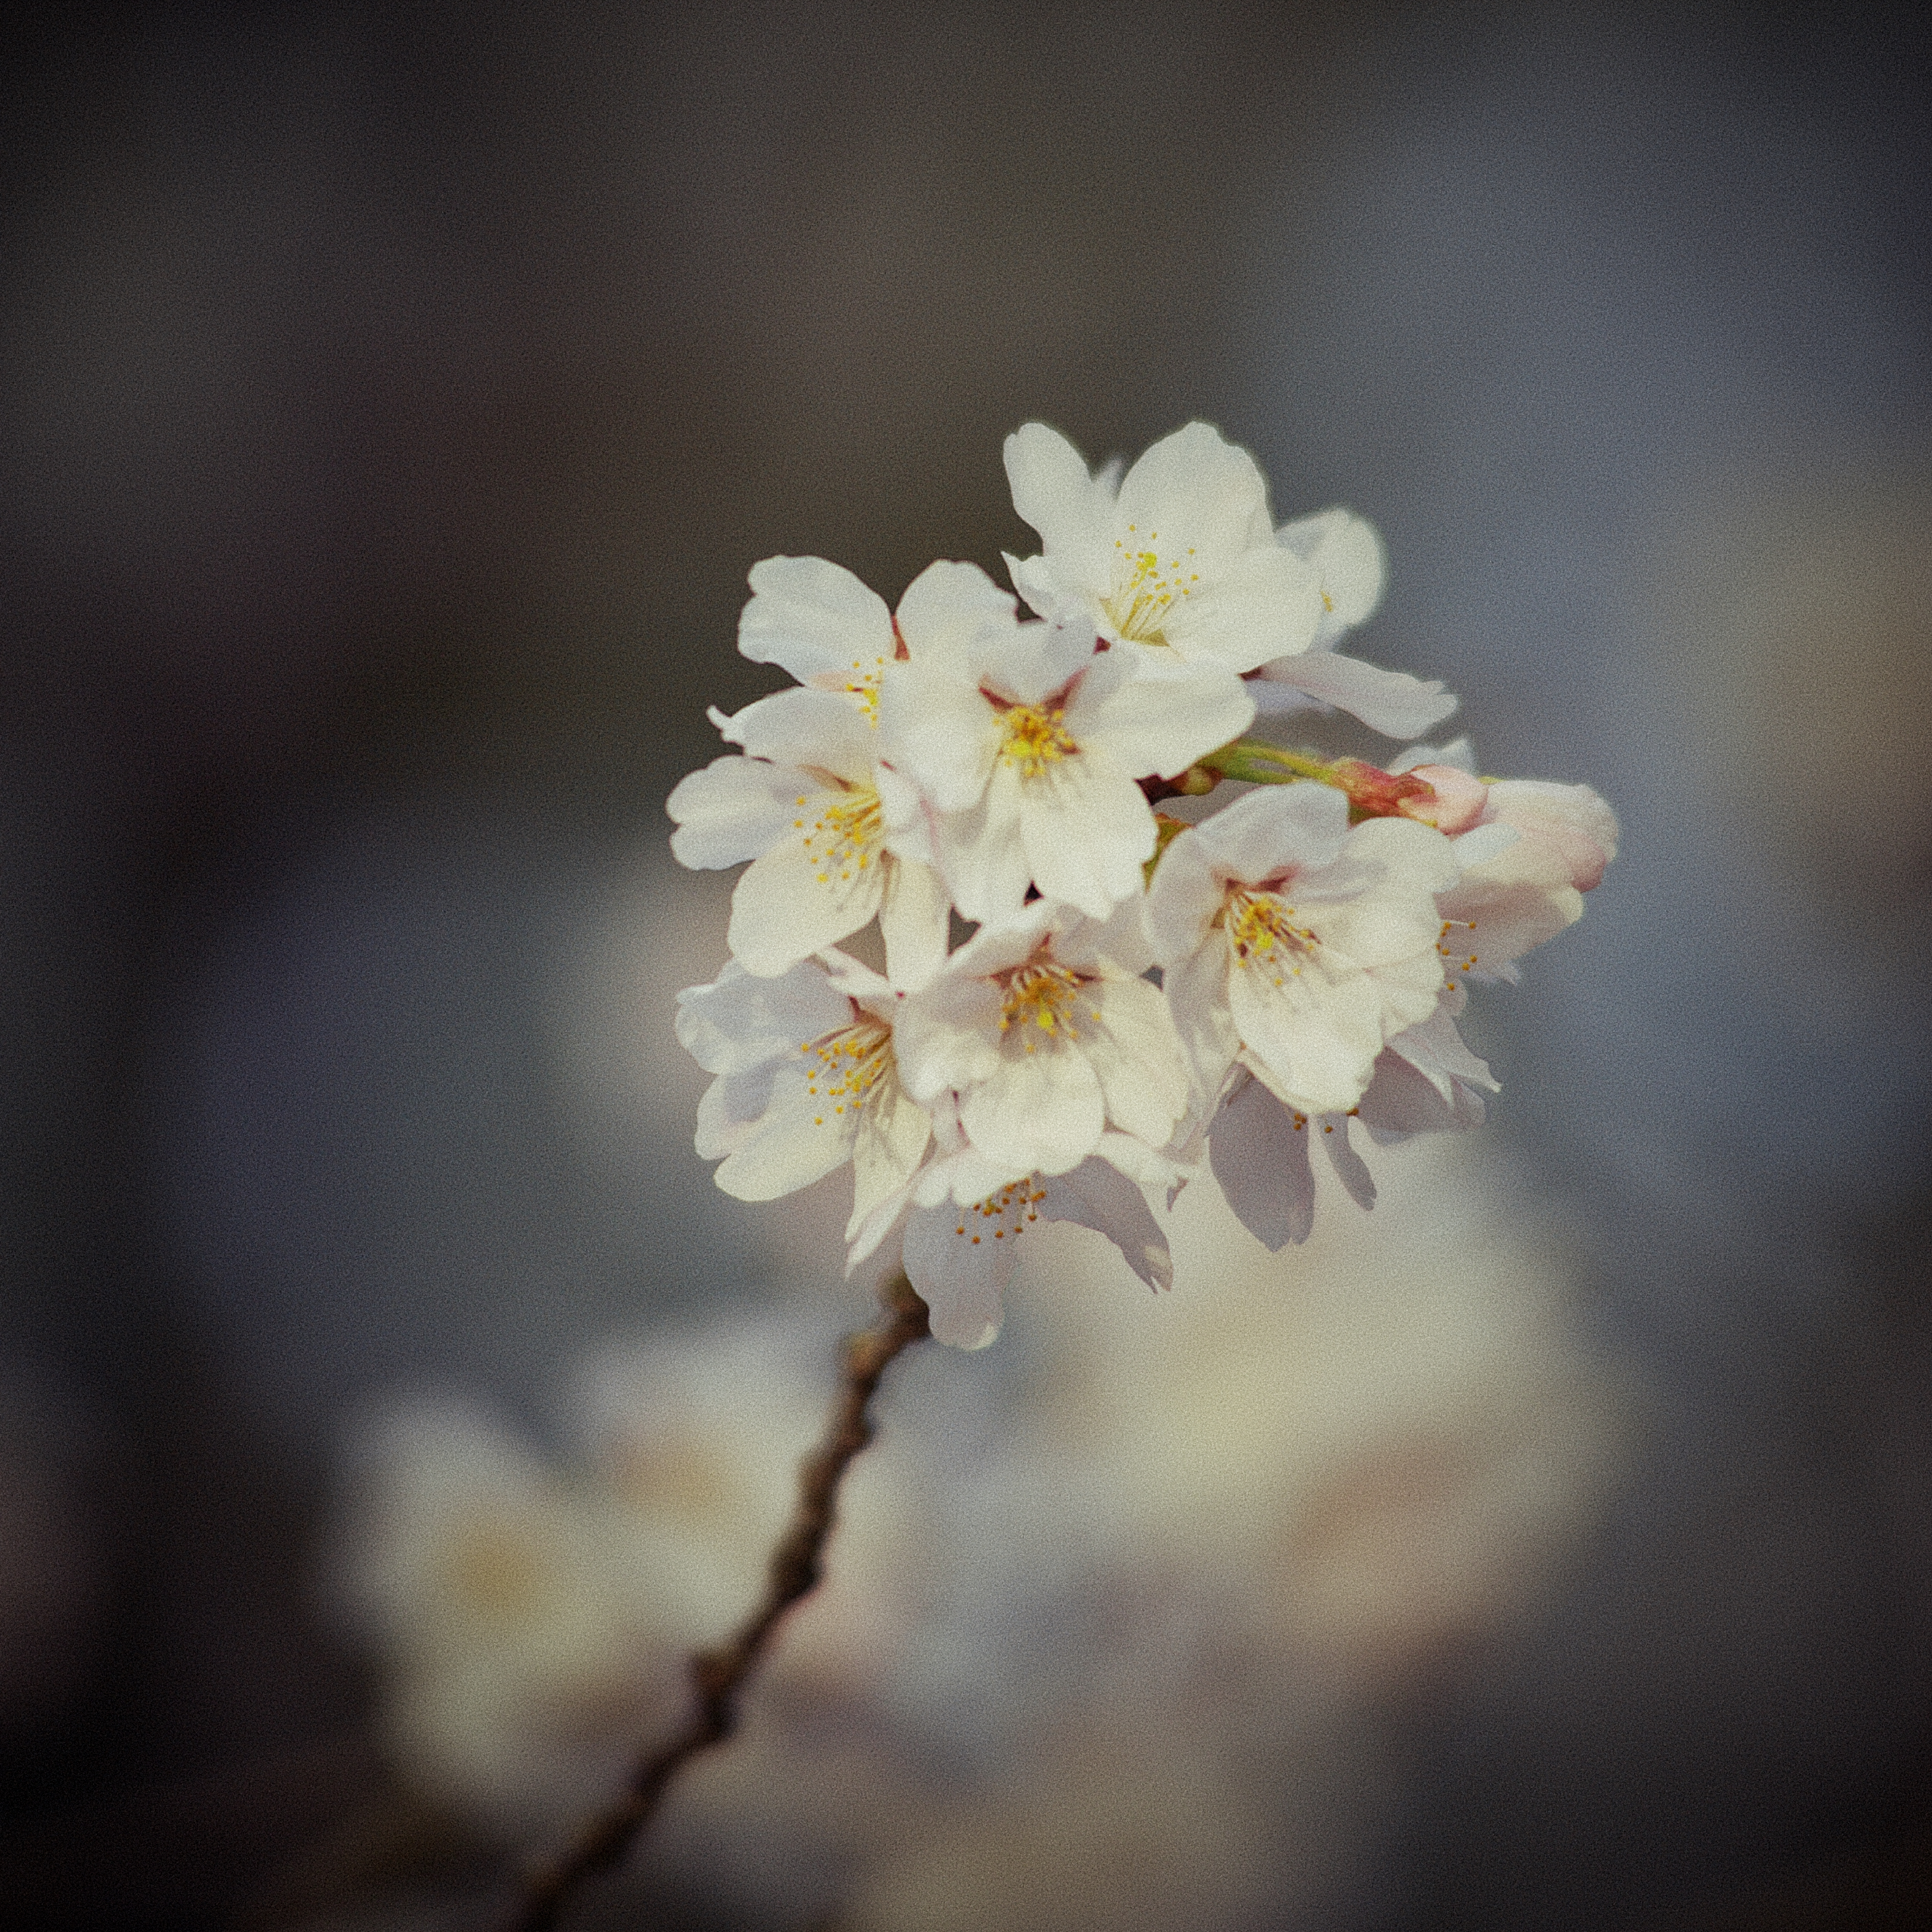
[808,806]
[1027,743]
[1297,943]
[1181,554]
[835,837]
[1047,1034]
[807,1079]
[962,1237]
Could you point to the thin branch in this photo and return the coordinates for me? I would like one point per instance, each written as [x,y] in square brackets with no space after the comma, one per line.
[719,1675]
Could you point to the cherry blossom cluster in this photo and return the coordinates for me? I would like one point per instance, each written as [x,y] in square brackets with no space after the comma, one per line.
[1134,993]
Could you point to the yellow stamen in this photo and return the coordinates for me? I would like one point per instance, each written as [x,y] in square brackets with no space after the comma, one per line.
[1034,737]
[846,836]
[851,1062]
[1262,931]
[1042,997]
[1144,596]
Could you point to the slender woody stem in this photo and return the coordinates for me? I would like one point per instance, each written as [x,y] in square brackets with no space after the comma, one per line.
[719,1675]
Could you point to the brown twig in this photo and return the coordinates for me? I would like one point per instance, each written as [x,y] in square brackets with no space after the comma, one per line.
[720,1674]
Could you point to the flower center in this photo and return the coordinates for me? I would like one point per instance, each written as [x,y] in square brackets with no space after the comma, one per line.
[1042,997]
[1262,933]
[1034,736]
[1143,595]
[848,1065]
[1011,1211]
[844,838]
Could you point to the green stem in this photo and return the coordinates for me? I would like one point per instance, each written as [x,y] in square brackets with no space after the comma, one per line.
[1255,762]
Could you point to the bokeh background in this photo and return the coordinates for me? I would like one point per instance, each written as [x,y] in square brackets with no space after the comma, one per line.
[394,399]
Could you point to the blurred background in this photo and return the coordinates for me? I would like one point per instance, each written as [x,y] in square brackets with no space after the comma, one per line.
[394,399]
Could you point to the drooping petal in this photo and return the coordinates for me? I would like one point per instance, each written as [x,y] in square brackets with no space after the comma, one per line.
[959,1266]
[1097,1195]
[816,620]
[1391,702]
[1259,1151]
[1350,1167]
[1183,899]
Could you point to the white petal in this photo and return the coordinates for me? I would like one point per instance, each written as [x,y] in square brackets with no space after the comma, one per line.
[1260,1157]
[734,809]
[1390,702]
[1265,604]
[1273,828]
[1184,899]
[1137,1055]
[820,728]
[947,1035]
[1050,586]
[814,618]
[937,731]
[1054,493]
[1347,554]
[983,852]
[947,613]
[914,918]
[1312,1028]
[894,1132]
[792,903]
[1040,1111]
[1196,987]
[1162,716]
[1194,490]
[798,1140]
[1034,661]
[739,1022]
[1086,831]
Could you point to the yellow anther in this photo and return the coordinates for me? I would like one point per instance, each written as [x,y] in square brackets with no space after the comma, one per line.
[1034,737]
[1040,998]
